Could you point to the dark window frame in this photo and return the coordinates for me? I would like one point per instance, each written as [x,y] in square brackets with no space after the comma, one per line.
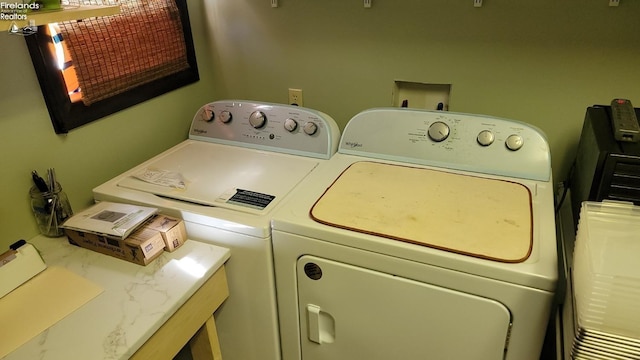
[66,115]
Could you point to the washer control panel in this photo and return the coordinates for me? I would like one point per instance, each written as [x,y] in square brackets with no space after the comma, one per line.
[273,127]
[467,142]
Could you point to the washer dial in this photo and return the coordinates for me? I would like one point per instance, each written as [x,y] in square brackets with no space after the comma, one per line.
[485,138]
[225,116]
[310,128]
[290,124]
[514,142]
[257,119]
[439,131]
[207,114]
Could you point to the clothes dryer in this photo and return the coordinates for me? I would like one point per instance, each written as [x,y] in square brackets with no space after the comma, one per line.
[428,235]
[241,160]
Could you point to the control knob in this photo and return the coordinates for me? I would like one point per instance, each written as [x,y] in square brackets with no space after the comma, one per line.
[485,138]
[290,124]
[225,116]
[514,142]
[438,131]
[310,128]
[257,119]
[207,114]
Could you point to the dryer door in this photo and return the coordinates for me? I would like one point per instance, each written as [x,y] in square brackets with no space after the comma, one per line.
[348,312]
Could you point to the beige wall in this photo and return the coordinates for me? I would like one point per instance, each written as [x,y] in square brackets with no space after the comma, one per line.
[542,62]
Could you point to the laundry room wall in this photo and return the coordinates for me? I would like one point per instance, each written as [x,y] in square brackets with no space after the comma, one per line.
[542,62]
[89,155]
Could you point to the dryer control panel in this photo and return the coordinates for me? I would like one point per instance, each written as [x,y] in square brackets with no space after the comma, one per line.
[266,126]
[458,141]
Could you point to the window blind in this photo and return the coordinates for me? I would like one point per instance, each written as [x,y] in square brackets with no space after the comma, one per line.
[114,54]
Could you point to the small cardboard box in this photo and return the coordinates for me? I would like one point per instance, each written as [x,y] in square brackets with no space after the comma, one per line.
[173,230]
[141,247]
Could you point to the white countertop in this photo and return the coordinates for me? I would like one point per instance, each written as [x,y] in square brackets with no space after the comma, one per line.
[135,302]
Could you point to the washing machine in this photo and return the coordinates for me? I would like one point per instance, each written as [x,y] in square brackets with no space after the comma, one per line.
[242,158]
[429,235]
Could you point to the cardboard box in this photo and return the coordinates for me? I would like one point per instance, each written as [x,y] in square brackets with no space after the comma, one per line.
[141,247]
[173,230]
[114,220]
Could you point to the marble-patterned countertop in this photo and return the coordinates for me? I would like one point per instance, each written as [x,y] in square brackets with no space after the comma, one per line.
[135,302]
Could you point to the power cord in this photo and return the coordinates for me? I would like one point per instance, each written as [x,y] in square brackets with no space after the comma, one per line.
[566,184]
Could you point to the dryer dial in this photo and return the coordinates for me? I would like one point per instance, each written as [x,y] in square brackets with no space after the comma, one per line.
[485,138]
[439,131]
[257,119]
[514,142]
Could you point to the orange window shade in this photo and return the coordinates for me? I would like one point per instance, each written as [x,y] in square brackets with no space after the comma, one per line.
[115,54]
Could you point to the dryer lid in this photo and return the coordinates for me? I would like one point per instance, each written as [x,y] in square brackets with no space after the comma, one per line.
[485,218]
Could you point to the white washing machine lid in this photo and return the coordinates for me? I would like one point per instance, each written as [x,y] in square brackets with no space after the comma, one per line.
[234,178]
[227,187]
[470,215]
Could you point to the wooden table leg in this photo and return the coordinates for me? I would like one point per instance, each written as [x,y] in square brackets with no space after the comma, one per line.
[204,344]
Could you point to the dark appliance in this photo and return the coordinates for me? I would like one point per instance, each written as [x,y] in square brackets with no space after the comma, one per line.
[604,168]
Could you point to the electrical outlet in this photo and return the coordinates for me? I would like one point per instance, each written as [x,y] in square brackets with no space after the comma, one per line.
[295,97]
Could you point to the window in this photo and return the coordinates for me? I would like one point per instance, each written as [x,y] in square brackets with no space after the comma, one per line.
[91,68]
